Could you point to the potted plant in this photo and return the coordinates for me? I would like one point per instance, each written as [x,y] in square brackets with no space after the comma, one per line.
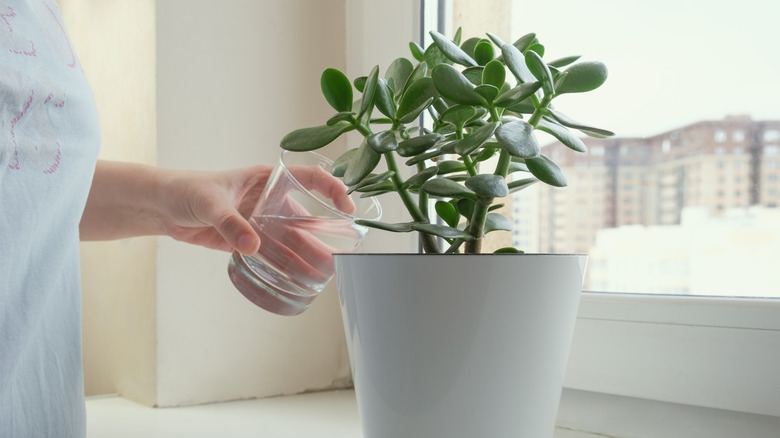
[452,343]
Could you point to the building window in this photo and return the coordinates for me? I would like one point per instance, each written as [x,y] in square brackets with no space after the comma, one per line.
[597,151]
[738,151]
[738,135]
[720,150]
[771,149]
[666,146]
[720,136]
[771,135]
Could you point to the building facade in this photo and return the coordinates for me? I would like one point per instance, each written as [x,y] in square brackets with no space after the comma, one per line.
[717,165]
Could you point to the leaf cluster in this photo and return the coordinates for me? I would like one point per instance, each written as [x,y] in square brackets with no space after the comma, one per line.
[484,100]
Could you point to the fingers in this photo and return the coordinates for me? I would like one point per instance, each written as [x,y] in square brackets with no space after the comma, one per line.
[237,232]
[316,178]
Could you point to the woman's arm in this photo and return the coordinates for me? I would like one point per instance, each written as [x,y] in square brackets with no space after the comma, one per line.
[204,208]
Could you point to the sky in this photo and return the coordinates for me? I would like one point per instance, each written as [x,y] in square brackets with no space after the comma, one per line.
[671,62]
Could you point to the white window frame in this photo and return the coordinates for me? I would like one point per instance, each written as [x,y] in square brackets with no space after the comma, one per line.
[715,352]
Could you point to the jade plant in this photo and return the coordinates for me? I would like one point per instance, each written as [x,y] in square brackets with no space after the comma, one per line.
[462,117]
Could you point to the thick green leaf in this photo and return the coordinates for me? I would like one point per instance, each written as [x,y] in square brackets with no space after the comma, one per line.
[546,170]
[417,97]
[360,83]
[343,116]
[337,89]
[442,231]
[451,50]
[368,91]
[443,187]
[372,179]
[416,145]
[518,94]
[458,115]
[525,41]
[518,139]
[419,72]
[494,74]
[397,74]
[469,45]
[562,134]
[525,106]
[585,129]
[309,139]
[485,154]
[417,51]
[421,176]
[450,166]
[341,163]
[563,62]
[434,56]
[496,40]
[448,213]
[381,186]
[483,52]
[540,71]
[515,60]
[536,47]
[384,141]
[507,250]
[384,99]
[488,185]
[363,163]
[516,186]
[489,92]
[426,156]
[515,166]
[466,207]
[474,74]
[395,228]
[452,85]
[583,77]
[497,222]
[476,139]
[457,37]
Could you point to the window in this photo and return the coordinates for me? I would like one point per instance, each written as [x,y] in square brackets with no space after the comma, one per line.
[720,150]
[738,136]
[720,136]
[772,149]
[772,135]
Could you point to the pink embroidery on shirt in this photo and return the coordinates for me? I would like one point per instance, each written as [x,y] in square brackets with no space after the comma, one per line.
[15,164]
[41,151]
[56,164]
[18,44]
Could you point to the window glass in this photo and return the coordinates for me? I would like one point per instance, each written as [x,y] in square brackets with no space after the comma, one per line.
[703,218]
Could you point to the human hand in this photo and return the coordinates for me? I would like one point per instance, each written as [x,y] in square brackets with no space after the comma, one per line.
[211,208]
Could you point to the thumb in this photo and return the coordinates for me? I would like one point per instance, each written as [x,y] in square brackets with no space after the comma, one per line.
[238,233]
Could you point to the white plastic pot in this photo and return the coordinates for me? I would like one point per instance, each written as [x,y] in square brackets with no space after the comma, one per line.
[459,346]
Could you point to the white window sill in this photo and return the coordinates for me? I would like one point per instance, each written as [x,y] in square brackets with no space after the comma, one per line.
[334,414]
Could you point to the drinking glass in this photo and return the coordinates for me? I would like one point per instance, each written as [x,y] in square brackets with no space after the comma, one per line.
[299,228]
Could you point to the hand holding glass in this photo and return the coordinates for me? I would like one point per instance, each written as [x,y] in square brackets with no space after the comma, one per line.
[303,217]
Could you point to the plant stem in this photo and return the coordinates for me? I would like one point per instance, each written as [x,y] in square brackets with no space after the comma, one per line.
[429,243]
[477,227]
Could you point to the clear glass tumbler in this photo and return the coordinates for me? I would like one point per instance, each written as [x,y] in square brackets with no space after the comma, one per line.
[299,228]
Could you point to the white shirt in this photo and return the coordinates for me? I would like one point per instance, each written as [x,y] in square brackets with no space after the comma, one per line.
[49,139]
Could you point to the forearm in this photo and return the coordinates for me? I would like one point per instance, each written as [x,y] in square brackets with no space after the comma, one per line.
[123,202]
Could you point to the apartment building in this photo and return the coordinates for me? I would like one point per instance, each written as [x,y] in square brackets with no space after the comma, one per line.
[719,165]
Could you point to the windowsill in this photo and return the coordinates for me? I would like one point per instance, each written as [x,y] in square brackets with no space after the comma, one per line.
[334,414]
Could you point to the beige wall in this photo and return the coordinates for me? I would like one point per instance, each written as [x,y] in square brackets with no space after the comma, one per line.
[115,43]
